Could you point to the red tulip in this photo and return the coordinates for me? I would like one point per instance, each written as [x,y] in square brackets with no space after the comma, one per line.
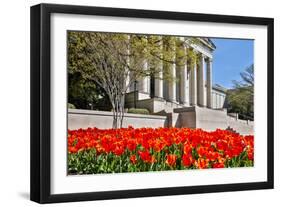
[133,159]
[171,160]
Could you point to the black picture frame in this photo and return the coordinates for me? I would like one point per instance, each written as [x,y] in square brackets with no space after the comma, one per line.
[40,102]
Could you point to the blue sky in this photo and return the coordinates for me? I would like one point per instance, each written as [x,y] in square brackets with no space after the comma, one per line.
[231,57]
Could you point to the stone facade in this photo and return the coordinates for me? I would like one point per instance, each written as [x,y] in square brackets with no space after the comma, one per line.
[193,100]
[193,85]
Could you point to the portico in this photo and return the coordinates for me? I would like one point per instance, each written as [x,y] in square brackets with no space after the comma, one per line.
[191,85]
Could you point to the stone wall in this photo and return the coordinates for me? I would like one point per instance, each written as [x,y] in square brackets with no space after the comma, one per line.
[241,126]
[210,120]
[78,118]
[191,117]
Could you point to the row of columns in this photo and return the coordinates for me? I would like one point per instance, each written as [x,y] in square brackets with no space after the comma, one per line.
[191,82]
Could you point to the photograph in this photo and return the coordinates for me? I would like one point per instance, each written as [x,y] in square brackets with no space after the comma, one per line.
[152,102]
[129,103]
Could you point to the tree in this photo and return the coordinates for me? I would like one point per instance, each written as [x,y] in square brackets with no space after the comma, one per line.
[241,98]
[84,93]
[115,61]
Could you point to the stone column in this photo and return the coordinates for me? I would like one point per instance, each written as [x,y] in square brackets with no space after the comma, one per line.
[144,83]
[172,83]
[217,101]
[193,84]
[158,82]
[209,83]
[184,89]
[201,82]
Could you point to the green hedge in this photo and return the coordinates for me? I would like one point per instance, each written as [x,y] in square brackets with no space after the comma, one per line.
[138,111]
[71,106]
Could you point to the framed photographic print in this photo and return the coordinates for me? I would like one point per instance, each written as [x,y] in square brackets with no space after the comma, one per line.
[132,103]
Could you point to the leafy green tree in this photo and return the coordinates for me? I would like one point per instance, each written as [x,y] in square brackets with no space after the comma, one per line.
[114,61]
[85,94]
[241,98]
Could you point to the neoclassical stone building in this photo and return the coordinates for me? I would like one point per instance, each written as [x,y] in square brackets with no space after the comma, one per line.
[193,87]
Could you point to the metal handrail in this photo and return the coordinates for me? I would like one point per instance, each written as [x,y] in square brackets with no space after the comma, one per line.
[242,115]
[245,116]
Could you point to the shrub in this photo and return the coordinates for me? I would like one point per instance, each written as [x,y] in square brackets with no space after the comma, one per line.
[71,106]
[138,111]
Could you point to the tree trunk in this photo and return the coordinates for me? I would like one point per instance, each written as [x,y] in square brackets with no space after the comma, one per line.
[118,111]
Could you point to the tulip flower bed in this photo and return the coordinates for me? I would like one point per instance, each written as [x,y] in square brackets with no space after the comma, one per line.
[95,150]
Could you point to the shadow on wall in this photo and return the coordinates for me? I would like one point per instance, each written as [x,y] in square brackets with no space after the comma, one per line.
[24,195]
